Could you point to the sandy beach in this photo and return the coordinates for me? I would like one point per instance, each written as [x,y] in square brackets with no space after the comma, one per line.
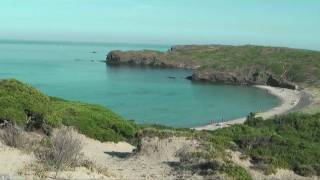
[289,100]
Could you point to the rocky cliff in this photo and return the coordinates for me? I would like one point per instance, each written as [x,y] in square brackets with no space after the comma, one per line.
[243,65]
[146,57]
[254,78]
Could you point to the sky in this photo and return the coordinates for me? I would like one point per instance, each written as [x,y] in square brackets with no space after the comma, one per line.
[292,23]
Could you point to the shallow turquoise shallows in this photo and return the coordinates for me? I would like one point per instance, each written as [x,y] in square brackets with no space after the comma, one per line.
[74,71]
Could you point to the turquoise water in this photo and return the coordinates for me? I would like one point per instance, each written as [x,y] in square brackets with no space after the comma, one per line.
[147,95]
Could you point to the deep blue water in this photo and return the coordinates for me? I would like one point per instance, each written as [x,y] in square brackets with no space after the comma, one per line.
[147,95]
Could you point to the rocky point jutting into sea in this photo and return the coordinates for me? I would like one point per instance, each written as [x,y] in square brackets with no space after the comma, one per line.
[241,65]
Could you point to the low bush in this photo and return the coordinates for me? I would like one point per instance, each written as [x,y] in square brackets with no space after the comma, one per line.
[235,171]
[60,151]
[12,136]
[94,121]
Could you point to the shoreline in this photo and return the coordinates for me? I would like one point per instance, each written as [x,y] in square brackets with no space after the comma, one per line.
[289,100]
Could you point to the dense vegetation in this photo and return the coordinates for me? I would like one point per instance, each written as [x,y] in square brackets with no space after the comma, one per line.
[300,65]
[289,141]
[24,105]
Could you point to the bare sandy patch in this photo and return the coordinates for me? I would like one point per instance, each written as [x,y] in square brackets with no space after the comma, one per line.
[314,106]
[152,162]
[12,160]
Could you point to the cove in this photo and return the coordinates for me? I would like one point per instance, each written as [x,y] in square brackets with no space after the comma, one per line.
[74,71]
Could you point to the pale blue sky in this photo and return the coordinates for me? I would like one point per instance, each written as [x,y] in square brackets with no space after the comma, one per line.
[293,23]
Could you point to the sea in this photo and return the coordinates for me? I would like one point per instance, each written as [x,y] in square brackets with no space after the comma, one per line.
[78,72]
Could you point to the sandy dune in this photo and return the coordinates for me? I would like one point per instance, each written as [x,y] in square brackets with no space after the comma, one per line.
[151,162]
[12,160]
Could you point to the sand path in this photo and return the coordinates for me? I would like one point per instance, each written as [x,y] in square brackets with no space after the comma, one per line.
[152,162]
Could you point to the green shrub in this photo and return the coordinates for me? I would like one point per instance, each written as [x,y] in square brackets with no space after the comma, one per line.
[252,120]
[93,120]
[60,151]
[281,142]
[26,106]
[235,171]
[18,102]
[13,136]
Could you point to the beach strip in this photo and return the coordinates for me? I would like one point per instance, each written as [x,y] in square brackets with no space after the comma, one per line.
[289,99]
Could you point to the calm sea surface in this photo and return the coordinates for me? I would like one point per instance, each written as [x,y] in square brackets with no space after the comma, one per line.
[146,95]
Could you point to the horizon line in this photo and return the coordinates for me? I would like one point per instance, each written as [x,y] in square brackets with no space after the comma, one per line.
[71,42]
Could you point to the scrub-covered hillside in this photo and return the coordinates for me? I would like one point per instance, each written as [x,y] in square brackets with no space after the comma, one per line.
[249,64]
[26,106]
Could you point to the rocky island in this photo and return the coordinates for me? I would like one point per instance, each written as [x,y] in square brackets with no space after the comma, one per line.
[240,65]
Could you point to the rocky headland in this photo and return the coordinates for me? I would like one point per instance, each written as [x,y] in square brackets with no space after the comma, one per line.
[239,65]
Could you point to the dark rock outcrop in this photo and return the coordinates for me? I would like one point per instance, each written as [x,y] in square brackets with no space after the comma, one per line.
[134,57]
[263,78]
[271,81]
[146,57]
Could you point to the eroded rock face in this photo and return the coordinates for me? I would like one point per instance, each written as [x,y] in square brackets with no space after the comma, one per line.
[221,77]
[271,81]
[146,57]
[262,78]
[134,57]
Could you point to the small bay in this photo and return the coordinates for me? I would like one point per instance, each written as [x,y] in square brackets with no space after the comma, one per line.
[75,71]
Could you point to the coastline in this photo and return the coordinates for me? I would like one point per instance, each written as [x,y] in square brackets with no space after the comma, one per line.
[289,101]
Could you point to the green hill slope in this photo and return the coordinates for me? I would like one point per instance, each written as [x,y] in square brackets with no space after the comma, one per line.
[28,107]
